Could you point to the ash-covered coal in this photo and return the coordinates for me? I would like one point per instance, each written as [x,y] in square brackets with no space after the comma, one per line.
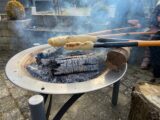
[61,66]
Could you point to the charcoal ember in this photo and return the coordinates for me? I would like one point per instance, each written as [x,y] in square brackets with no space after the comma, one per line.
[50,63]
[75,64]
[70,78]
[44,74]
[45,54]
[77,52]
[61,66]
[39,72]
[45,62]
[75,69]
[82,58]
[72,64]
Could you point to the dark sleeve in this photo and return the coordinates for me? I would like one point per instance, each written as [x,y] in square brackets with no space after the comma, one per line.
[153,19]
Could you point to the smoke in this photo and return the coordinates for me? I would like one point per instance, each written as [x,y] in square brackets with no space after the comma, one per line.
[83,16]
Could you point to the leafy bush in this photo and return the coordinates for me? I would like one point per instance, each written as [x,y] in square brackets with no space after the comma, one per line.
[15,10]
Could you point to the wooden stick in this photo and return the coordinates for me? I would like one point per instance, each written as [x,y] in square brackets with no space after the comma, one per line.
[110,31]
[125,34]
[116,56]
[62,40]
[90,45]
[148,43]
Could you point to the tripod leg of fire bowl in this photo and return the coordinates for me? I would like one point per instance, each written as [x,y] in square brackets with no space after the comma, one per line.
[45,96]
[36,104]
[49,106]
[66,106]
[115,93]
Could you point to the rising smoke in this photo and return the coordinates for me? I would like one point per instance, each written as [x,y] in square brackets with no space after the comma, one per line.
[99,15]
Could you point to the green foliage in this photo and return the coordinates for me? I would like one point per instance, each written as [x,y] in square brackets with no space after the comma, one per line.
[15,10]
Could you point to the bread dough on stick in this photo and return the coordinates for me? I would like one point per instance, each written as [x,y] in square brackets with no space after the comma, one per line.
[116,56]
[79,45]
[62,40]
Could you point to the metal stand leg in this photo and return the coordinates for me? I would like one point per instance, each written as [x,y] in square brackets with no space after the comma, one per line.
[66,106]
[115,93]
[45,96]
[36,105]
[49,107]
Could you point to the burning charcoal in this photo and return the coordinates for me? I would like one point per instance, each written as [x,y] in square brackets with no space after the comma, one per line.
[75,64]
[47,53]
[37,71]
[73,53]
[83,59]
[75,69]
[80,77]
[61,66]
[33,68]
[45,62]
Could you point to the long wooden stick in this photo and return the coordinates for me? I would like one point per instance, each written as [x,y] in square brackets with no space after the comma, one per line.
[130,43]
[110,31]
[90,45]
[125,34]
[62,40]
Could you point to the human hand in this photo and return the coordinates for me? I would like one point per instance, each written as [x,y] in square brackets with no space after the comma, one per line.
[134,23]
[153,29]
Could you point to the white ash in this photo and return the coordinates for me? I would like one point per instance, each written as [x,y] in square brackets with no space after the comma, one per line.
[61,66]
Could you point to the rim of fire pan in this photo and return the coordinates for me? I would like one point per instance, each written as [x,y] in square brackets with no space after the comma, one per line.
[17,74]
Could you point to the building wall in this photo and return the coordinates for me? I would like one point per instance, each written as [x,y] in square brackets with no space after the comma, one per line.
[11,37]
[6,36]
[2,5]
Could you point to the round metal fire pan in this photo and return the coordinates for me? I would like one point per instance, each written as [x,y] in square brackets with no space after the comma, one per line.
[17,73]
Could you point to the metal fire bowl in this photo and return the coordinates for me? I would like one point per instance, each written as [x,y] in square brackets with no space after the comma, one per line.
[17,73]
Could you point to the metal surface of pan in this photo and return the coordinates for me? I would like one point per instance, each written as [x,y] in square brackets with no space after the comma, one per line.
[17,74]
